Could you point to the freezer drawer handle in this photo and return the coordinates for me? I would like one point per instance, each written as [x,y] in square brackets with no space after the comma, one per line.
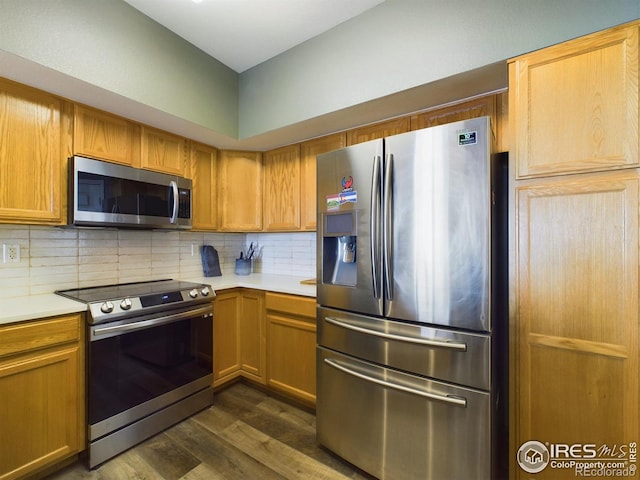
[422,341]
[457,401]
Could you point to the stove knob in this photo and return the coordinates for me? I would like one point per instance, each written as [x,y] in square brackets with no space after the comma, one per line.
[107,307]
[205,291]
[193,293]
[125,304]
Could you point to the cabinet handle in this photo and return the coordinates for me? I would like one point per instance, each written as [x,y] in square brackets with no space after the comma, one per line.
[390,336]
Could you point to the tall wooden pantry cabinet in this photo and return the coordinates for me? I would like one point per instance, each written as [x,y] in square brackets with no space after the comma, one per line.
[574,251]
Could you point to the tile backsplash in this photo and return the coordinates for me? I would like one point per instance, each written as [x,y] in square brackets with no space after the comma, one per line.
[54,258]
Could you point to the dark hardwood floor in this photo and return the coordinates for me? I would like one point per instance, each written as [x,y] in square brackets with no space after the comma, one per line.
[246,434]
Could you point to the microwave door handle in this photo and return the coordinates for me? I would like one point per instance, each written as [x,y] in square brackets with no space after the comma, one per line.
[174,214]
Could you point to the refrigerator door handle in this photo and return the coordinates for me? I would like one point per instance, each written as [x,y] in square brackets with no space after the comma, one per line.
[462,347]
[375,226]
[387,226]
[457,401]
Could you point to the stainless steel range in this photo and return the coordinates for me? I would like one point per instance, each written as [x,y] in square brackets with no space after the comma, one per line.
[149,359]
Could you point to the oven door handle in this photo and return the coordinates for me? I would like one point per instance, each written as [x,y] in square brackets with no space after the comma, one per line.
[206,311]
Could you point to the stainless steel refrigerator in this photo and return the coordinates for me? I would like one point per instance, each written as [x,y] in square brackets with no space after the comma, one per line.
[412,302]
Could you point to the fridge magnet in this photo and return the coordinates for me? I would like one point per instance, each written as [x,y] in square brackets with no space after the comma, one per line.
[334,202]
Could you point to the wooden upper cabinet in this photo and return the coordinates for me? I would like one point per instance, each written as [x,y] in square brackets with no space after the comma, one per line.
[203,169]
[378,130]
[100,135]
[493,106]
[574,106]
[163,151]
[479,107]
[240,191]
[308,152]
[282,189]
[35,145]
[576,332]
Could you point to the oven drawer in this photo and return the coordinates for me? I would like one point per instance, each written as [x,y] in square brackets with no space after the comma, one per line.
[452,356]
[400,426]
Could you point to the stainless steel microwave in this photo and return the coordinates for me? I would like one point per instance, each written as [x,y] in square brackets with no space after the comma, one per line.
[110,195]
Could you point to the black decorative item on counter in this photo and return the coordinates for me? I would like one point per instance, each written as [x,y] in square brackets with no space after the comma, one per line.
[210,261]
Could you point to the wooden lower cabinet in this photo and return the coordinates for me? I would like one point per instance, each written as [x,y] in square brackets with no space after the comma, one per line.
[291,346]
[238,336]
[42,399]
[575,322]
[252,335]
[226,339]
[268,338]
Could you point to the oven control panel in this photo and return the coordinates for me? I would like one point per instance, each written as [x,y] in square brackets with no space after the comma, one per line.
[117,308]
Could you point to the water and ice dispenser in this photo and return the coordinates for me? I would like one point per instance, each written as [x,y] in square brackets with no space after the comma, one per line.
[339,248]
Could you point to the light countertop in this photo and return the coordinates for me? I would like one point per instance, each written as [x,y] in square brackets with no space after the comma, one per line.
[32,307]
[259,281]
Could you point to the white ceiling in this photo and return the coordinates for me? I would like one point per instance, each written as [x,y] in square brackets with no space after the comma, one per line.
[244,33]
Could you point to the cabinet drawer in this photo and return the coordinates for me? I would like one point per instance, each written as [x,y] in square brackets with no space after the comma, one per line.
[303,306]
[39,334]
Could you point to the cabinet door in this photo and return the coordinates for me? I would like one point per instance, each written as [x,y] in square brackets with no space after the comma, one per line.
[378,130]
[576,325]
[226,343]
[34,148]
[282,189]
[492,106]
[101,135]
[308,153]
[240,191]
[204,173]
[291,350]
[41,395]
[163,152]
[291,354]
[252,335]
[574,106]
[479,107]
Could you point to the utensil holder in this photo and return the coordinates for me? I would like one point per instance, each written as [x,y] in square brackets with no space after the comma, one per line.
[243,266]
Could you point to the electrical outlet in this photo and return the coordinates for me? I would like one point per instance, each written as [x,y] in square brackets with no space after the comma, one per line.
[10,253]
